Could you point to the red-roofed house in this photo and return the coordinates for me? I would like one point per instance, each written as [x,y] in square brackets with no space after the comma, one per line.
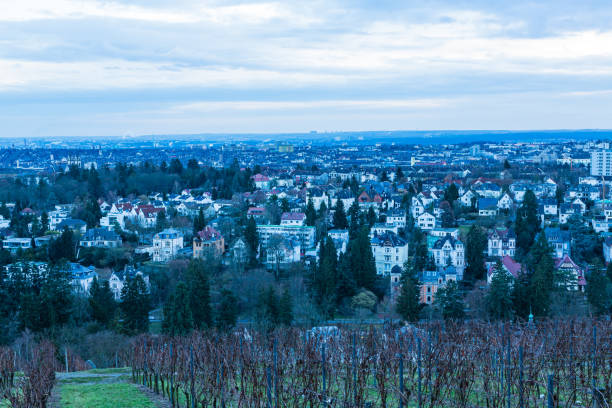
[209,240]
[569,274]
[293,218]
[509,265]
[261,181]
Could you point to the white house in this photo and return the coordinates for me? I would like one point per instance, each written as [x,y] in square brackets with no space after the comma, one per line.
[501,242]
[467,198]
[448,251]
[397,218]
[426,221]
[166,245]
[416,207]
[293,218]
[505,202]
[389,250]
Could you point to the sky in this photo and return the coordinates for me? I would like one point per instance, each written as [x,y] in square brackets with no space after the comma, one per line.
[128,68]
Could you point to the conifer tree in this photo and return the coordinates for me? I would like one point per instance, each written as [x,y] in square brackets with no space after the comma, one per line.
[408,302]
[199,294]
[252,240]
[102,302]
[177,313]
[135,306]
[339,219]
[499,298]
[227,313]
[311,214]
[450,301]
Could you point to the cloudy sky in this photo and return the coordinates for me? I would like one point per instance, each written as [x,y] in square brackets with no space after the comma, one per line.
[88,67]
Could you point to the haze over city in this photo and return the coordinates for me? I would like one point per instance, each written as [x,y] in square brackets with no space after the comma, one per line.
[122,68]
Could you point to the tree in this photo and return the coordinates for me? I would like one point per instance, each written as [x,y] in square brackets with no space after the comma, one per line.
[284,203]
[135,306]
[178,319]
[527,223]
[324,278]
[448,216]
[199,222]
[354,215]
[176,166]
[285,307]
[475,247]
[541,285]
[227,313]
[102,302]
[451,194]
[63,247]
[44,222]
[384,176]
[199,294]
[161,222]
[408,302]
[599,292]
[339,219]
[399,173]
[507,165]
[450,301]
[311,214]
[499,298]
[371,217]
[252,240]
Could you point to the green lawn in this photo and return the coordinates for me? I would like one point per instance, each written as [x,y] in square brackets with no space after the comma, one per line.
[116,395]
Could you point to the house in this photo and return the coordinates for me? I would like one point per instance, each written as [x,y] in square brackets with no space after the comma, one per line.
[146,215]
[468,198]
[117,280]
[488,190]
[261,182]
[549,206]
[318,197]
[209,241]
[100,238]
[487,207]
[340,238]
[558,240]
[601,224]
[166,245]
[431,281]
[240,251]
[56,217]
[389,250]
[449,251]
[13,244]
[396,217]
[579,203]
[81,277]
[505,202]
[426,221]
[285,252]
[77,226]
[416,207]
[305,235]
[569,275]
[567,210]
[501,242]
[293,218]
[346,196]
[509,265]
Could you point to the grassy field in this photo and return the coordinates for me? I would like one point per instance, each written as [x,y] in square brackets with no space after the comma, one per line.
[114,395]
[106,388]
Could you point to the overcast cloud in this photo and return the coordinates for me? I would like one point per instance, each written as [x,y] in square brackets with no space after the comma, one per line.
[140,67]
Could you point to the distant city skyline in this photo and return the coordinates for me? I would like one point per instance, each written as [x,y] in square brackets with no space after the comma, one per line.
[121,68]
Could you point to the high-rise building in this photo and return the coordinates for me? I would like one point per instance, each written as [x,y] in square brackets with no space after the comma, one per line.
[601,163]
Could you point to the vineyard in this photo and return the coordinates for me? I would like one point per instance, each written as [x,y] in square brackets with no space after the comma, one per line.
[553,364]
